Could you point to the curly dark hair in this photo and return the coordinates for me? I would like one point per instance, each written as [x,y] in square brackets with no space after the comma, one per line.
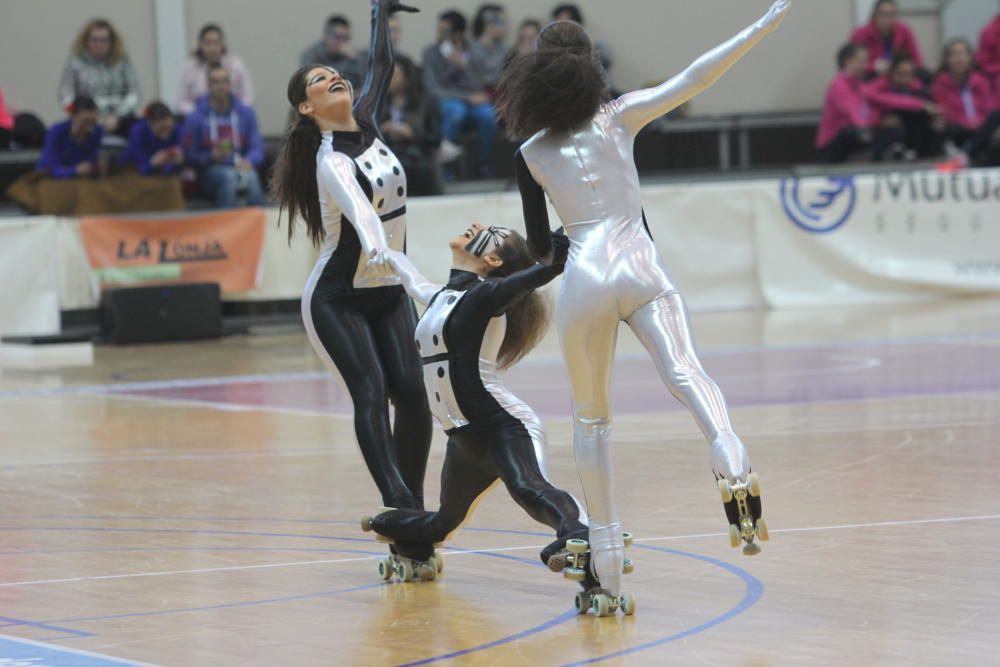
[558,87]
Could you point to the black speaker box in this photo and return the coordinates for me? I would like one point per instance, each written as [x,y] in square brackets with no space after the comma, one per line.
[161,313]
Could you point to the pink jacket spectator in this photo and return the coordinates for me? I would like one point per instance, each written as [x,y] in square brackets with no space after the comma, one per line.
[194,82]
[6,119]
[988,55]
[845,106]
[903,41]
[884,100]
[968,107]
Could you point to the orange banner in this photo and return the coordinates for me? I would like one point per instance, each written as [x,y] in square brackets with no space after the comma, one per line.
[223,248]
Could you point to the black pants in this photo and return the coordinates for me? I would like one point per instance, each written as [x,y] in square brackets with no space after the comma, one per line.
[369,337]
[918,134]
[849,142]
[986,147]
[475,459]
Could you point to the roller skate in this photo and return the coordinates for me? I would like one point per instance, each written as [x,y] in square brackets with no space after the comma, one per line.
[408,561]
[574,562]
[742,504]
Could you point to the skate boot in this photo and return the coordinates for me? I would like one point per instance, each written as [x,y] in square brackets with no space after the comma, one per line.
[574,562]
[742,504]
[408,561]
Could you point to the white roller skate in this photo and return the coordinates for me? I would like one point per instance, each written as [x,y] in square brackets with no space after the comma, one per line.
[404,567]
[742,504]
[574,562]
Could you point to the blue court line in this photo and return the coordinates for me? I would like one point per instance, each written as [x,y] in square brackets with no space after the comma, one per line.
[168,549]
[184,531]
[29,652]
[11,622]
[754,591]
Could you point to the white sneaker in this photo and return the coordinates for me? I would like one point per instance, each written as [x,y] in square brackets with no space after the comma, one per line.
[449,152]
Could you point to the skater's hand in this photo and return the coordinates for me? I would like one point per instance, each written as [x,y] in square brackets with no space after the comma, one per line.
[393,6]
[775,15]
[560,248]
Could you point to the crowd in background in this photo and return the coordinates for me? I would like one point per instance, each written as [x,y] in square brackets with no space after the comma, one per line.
[884,103]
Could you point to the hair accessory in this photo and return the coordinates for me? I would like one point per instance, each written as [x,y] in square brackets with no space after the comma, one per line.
[488,239]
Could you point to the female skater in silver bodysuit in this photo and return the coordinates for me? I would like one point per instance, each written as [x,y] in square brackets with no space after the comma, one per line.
[580,154]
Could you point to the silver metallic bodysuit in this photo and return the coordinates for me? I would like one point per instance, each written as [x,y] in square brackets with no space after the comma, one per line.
[615,273]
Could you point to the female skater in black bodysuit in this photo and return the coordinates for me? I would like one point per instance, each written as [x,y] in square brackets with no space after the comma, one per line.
[338,176]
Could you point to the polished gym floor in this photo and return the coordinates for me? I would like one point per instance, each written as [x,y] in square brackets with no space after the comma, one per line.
[198,504]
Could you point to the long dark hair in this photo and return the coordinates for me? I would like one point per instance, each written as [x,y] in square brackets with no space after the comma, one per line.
[527,319]
[558,87]
[293,177]
[205,29]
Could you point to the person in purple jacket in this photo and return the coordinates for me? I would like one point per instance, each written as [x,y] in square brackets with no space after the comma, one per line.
[72,146]
[222,142]
[154,143]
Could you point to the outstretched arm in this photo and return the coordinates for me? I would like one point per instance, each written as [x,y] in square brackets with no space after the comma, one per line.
[368,103]
[416,285]
[536,214]
[639,108]
[337,176]
[505,292]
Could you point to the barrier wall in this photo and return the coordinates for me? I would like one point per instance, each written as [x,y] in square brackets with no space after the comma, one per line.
[898,236]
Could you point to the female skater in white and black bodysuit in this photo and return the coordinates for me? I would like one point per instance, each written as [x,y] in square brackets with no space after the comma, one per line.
[336,174]
[580,154]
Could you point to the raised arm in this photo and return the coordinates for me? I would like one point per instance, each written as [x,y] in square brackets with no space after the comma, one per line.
[416,285]
[504,292]
[368,103]
[536,214]
[337,176]
[639,108]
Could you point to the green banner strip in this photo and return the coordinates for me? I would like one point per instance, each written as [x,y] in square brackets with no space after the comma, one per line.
[138,274]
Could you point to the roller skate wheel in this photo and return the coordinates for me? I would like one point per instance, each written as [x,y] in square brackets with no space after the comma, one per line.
[725,490]
[751,549]
[385,569]
[627,537]
[734,535]
[576,546]
[558,562]
[753,485]
[629,567]
[404,570]
[439,561]
[627,604]
[366,524]
[601,605]
[762,530]
[582,602]
[428,571]
[575,574]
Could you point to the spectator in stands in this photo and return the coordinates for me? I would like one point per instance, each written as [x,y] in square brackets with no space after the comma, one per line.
[847,127]
[964,95]
[222,141]
[211,51]
[884,37]
[334,50]
[988,56]
[900,98]
[449,78]
[72,147]
[154,144]
[411,125]
[571,12]
[527,36]
[99,68]
[488,52]
[6,124]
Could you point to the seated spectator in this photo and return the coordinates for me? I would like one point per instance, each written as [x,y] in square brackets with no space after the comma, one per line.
[884,37]
[527,36]
[900,98]
[847,127]
[488,52]
[72,147]
[571,12]
[211,51]
[334,50]
[6,124]
[988,56]
[449,78]
[99,68]
[412,128]
[222,142]
[964,95]
[154,144]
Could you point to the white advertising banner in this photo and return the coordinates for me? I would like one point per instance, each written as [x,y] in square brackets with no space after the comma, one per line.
[893,236]
[29,302]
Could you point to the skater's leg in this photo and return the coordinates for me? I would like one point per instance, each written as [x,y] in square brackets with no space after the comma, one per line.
[412,427]
[662,326]
[343,338]
[588,332]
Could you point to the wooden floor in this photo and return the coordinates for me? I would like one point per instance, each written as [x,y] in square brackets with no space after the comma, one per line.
[198,504]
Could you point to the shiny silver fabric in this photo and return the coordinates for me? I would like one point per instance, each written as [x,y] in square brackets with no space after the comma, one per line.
[437,374]
[616,273]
